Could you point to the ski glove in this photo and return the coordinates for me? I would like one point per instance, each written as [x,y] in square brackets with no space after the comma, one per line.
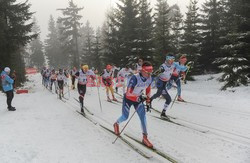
[190,63]
[142,98]
[148,107]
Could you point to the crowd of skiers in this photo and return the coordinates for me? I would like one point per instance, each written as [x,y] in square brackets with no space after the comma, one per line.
[133,84]
[136,85]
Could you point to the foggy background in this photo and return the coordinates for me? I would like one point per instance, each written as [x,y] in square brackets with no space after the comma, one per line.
[94,10]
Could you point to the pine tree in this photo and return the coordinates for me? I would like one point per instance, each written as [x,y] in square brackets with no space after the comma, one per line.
[145,44]
[176,28]
[64,59]
[52,44]
[15,28]
[70,31]
[88,35]
[97,49]
[36,47]
[235,65]
[110,40]
[128,27]
[162,31]
[191,37]
[210,48]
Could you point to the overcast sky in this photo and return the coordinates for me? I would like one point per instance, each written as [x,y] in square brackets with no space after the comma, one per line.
[94,10]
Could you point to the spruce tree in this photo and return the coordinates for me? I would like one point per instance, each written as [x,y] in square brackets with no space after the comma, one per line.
[97,49]
[110,40]
[162,34]
[210,48]
[88,36]
[128,27]
[52,44]
[191,38]
[145,44]
[36,47]
[15,33]
[235,65]
[70,31]
[176,28]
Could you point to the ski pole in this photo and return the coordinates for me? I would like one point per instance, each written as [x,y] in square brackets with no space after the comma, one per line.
[124,127]
[68,90]
[174,97]
[100,103]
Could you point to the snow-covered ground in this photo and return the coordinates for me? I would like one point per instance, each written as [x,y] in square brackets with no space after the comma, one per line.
[47,130]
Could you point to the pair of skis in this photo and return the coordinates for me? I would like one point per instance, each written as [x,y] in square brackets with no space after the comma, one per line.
[178,124]
[136,149]
[139,151]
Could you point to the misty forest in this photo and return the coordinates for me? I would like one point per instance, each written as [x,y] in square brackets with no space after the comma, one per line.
[215,36]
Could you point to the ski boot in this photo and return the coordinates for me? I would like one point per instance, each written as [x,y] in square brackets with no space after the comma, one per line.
[180,99]
[82,111]
[116,128]
[11,108]
[146,142]
[114,99]
[164,116]
[116,89]
[108,99]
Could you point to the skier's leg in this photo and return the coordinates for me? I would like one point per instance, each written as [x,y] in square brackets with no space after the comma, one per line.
[125,110]
[9,98]
[160,88]
[170,84]
[73,82]
[123,88]
[142,115]
[168,99]
[51,84]
[178,83]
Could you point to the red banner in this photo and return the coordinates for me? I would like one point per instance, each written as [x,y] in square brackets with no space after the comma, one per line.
[31,70]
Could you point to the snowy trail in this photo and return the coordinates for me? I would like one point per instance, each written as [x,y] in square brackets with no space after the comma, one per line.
[44,129]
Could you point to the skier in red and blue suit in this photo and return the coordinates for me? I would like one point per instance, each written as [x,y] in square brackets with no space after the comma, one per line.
[134,96]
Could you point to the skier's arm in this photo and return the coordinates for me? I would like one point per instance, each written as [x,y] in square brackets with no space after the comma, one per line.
[148,93]
[92,75]
[180,67]
[102,73]
[129,95]
[160,70]
[77,74]
[9,80]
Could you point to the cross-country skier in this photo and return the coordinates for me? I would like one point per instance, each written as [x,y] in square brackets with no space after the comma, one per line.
[7,85]
[73,77]
[134,96]
[177,75]
[43,75]
[60,83]
[82,77]
[53,77]
[122,76]
[66,73]
[166,70]
[46,77]
[107,77]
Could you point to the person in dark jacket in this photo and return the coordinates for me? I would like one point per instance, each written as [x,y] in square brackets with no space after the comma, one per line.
[7,84]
